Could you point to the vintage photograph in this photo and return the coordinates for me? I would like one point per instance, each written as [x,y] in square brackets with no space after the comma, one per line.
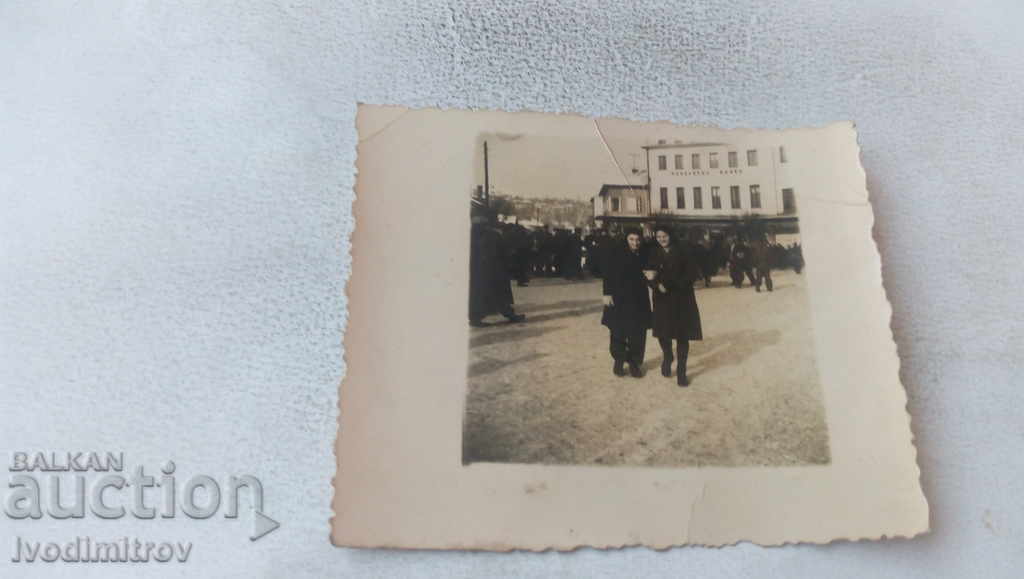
[639,302]
[570,331]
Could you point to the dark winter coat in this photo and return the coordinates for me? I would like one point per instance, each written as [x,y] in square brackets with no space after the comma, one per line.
[624,280]
[705,260]
[762,257]
[490,287]
[572,254]
[675,311]
[741,256]
[603,247]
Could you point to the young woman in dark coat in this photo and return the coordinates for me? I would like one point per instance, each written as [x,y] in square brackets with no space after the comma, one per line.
[671,271]
[627,305]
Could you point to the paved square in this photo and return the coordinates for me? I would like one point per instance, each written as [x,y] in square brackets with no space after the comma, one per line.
[543,391]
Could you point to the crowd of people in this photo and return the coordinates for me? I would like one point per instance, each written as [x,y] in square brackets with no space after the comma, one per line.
[734,253]
[647,283]
[541,252]
[501,252]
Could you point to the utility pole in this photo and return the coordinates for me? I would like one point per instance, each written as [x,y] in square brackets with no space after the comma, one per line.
[487,179]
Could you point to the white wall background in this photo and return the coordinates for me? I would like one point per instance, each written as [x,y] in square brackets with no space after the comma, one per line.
[176,183]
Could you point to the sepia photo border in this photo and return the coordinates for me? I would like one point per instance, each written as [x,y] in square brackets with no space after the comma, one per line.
[400,481]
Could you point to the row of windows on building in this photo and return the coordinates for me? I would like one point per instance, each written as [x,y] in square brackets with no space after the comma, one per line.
[732,158]
[788,199]
[716,197]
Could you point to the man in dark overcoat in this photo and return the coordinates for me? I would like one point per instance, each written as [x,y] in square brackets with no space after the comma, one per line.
[572,254]
[518,243]
[705,260]
[627,305]
[490,286]
[599,244]
[762,253]
[741,263]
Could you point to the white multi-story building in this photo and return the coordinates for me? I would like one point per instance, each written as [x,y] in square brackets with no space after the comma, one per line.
[713,186]
[719,182]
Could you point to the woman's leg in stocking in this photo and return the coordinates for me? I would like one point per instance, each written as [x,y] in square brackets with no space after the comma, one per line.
[682,352]
[666,353]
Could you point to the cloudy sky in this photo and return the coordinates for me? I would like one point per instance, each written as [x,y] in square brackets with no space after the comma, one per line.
[573,168]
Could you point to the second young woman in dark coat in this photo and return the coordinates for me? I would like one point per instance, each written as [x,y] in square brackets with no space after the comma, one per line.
[671,270]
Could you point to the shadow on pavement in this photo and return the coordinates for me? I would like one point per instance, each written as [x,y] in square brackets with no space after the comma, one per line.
[528,329]
[517,332]
[528,308]
[729,349]
[566,314]
[488,365]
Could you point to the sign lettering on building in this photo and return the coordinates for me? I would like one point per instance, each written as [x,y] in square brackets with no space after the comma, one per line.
[705,172]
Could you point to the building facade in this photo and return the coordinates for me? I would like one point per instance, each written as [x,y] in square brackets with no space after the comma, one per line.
[714,187]
[621,205]
[719,182]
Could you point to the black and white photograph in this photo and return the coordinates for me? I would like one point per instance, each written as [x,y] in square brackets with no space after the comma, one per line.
[577,331]
[639,303]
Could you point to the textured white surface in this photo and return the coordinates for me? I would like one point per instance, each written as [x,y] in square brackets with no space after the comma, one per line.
[176,188]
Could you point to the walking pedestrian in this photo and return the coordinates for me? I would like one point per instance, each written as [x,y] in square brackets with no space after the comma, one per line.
[705,260]
[518,242]
[571,257]
[740,263]
[490,286]
[763,264]
[627,306]
[671,271]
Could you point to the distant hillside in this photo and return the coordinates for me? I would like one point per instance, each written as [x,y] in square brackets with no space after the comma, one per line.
[547,210]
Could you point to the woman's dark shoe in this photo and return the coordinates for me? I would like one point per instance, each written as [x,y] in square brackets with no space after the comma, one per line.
[618,369]
[636,371]
[682,380]
[666,368]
